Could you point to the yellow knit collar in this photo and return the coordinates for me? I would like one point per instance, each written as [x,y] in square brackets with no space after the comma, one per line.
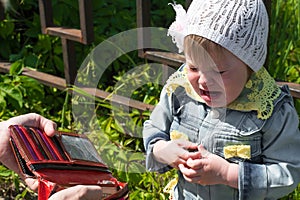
[258,94]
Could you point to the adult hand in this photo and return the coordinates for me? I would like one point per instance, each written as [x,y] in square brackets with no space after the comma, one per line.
[209,169]
[6,153]
[79,192]
[173,152]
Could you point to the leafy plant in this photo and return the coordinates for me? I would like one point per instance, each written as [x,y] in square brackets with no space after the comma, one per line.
[12,188]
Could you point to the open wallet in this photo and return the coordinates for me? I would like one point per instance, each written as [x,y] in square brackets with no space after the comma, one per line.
[62,161]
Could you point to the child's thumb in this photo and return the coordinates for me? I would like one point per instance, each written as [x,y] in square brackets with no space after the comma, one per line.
[203,151]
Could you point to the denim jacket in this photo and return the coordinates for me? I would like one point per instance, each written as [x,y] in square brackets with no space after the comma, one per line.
[274,167]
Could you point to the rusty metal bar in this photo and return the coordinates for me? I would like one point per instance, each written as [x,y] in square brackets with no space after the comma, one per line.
[166,58]
[2,15]
[143,17]
[84,35]
[143,20]
[119,99]
[294,88]
[86,22]
[69,58]
[68,33]
[60,83]
[46,15]
[44,78]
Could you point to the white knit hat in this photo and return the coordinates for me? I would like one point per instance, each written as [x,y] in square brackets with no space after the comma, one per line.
[240,26]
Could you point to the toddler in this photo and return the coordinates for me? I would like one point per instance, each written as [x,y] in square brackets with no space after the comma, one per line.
[222,121]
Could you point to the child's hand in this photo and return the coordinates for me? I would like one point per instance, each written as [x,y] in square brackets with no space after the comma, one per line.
[173,152]
[210,169]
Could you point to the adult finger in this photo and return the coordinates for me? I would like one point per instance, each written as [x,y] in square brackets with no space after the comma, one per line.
[32,183]
[35,120]
[45,124]
[79,192]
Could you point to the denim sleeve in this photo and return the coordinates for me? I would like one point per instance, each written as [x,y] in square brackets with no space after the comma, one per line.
[280,172]
[157,128]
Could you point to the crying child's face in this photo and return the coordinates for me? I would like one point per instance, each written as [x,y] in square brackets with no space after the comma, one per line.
[216,75]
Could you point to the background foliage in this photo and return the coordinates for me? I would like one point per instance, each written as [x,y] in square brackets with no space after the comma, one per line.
[22,44]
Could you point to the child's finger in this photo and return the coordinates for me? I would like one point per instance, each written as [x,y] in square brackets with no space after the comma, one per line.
[194,164]
[195,155]
[203,151]
[189,173]
[186,144]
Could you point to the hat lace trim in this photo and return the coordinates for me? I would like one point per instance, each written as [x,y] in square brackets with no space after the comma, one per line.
[258,94]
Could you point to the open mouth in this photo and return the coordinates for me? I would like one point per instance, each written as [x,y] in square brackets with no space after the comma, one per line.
[209,95]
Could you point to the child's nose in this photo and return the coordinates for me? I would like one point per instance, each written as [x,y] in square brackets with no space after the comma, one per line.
[205,79]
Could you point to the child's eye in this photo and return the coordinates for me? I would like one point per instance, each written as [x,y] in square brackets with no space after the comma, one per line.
[220,71]
[193,69]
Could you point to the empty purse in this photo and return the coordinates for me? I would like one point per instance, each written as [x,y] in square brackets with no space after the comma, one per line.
[62,161]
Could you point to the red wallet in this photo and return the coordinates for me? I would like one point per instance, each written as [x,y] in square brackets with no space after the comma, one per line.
[62,161]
